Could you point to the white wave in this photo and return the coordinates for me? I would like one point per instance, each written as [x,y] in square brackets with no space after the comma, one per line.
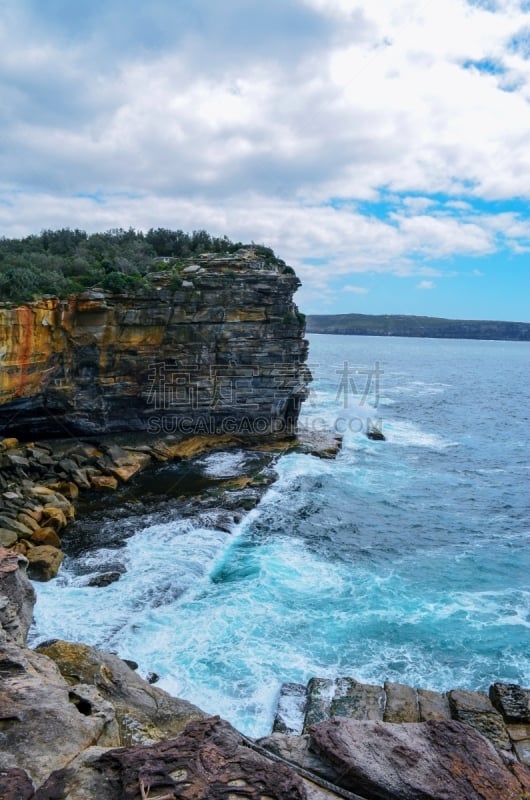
[405,432]
[223,464]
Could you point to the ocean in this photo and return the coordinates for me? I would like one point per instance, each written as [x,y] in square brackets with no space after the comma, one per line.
[406,559]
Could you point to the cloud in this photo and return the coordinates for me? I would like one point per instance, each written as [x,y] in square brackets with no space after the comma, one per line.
[355,289]
[379,141]
[425,285]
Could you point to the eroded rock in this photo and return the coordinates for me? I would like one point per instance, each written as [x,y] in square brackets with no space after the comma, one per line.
[206,762]
[145,713]
[438,760]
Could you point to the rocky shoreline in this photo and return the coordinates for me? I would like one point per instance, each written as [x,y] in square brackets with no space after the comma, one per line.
[41,482]
[79,724]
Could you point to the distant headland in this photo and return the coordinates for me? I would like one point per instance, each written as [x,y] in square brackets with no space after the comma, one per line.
[427,327]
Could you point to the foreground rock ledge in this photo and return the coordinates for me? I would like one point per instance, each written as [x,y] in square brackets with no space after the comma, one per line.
[80,724]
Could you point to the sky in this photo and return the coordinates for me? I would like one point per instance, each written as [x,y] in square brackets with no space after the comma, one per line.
[381,147]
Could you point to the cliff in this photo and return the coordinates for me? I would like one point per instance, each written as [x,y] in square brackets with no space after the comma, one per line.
[405,325]
[217,348]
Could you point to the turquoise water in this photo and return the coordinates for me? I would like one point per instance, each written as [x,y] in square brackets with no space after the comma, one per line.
[405,560]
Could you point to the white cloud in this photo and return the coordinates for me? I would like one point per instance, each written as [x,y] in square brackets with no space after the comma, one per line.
[254,119]
[355,289]
[425,285]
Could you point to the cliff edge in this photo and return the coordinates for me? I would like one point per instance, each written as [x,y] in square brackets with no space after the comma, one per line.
[216,348]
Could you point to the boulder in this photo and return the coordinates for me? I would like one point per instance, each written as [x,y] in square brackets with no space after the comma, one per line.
[144,712]
[102,483]
[512,701]
[44,562]
[104,579]
[17,598]
[46,536]
[475,709]
[206,761]
[7,537]
[290,710]
[433,705]
[401,703]
[438,760]
[46,723]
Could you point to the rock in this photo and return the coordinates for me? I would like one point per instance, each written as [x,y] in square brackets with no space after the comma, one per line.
[16,526]
[375,434]
[475,709]
[401,703]
[17,598]
[520,738]
[296,750]
[145,713]
[319,696]
[9,443]
[46,536]
[438,760]
[205,761]
[28,521]
[152,677]
[68,489]
[7,537]
[104,579]
[357,700]
[433,705]
[512,701]
[44,562]
[15,784]
[102,483]
[44,723]
[291,708]
[53,517]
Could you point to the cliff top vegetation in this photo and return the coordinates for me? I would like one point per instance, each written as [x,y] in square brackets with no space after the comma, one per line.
[65,261]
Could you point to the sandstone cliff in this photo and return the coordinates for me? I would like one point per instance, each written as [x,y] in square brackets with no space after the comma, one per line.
[217,348]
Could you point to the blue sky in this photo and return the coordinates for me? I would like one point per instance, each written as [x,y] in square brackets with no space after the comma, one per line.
[381,147]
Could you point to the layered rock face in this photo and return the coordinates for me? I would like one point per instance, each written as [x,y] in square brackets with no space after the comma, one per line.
[218,348]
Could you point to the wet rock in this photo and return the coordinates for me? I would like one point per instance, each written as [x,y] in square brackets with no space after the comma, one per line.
[319,696]
[438,760]
[357,700]
[104,579]
[512,701]
[376,435]
[291,708]
[475,709]
[152,677]
[44,562]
